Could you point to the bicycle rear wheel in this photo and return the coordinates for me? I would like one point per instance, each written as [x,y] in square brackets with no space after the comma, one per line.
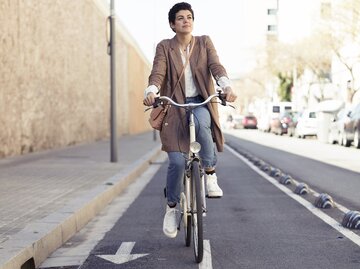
[197,212]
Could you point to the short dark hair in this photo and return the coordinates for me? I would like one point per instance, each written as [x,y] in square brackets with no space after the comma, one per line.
[176,8]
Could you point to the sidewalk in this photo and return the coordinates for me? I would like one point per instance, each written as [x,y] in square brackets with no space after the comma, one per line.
[45,198]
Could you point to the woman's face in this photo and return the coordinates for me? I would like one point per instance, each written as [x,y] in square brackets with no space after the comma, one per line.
[183,22]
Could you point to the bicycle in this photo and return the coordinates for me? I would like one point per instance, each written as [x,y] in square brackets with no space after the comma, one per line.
[192,198]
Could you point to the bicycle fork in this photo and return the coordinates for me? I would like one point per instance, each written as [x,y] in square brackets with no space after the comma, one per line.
[192,156]
[202,184]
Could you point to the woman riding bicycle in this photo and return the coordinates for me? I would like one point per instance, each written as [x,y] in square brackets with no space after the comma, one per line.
[194,86]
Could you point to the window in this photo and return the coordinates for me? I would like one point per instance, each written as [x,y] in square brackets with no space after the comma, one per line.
[312,115]
[356,112]
[272,11]
[325,11]
[272,28]
[276,109]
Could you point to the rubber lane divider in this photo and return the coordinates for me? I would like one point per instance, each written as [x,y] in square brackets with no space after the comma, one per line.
[316,211]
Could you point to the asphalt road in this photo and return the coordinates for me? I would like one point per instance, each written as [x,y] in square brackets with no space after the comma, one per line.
[326,168]
[257,224]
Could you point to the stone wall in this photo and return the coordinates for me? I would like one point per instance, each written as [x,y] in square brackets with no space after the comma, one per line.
[54,79]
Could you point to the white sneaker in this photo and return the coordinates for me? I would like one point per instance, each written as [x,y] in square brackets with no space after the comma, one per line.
[213,189]
[170,222]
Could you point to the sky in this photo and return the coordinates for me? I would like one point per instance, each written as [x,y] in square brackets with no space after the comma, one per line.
[236,27]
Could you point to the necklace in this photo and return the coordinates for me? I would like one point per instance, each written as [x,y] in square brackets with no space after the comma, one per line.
[182,48]
[183,51]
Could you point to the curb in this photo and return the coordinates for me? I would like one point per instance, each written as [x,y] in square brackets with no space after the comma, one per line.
[32,245]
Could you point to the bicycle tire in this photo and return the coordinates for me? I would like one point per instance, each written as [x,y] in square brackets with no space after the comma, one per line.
[197,213]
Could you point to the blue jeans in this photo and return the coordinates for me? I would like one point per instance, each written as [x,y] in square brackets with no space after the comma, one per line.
[177,160]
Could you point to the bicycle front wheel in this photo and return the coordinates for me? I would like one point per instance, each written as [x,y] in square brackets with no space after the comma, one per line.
[197,212]
[186,219]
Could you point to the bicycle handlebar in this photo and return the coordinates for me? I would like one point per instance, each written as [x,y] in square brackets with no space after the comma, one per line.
[219,94]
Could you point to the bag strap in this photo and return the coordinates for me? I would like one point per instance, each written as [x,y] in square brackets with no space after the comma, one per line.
[186,63]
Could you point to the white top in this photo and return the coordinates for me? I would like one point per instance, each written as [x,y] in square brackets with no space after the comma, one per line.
[190,88]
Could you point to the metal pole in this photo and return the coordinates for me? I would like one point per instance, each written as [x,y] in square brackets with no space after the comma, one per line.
[113,146]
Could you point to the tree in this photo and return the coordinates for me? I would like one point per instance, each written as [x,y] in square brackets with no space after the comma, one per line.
[344,40]
[312,53]
[285,86]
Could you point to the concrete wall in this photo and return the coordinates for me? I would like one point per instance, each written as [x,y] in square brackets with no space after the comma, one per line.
[54,79]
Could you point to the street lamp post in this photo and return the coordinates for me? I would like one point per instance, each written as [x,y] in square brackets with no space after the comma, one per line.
[112,52]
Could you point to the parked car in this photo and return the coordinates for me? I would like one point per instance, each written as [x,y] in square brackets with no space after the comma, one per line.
[283,123]
[275,125]
[249,122]
[294,115]
[238,121]
[352,128]
[228,123]
[306,124]
[264,123]
[336,130]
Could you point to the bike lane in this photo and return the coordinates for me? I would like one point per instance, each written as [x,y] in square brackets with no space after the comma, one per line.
[140,229]
[254,225]
[262,227]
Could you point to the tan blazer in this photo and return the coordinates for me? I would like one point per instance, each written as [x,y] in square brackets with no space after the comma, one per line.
[167,67]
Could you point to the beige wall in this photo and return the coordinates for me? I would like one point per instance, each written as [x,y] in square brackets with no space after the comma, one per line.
[54,79]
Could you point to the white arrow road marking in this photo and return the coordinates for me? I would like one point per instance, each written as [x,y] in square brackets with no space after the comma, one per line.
[206,262]
[123,254]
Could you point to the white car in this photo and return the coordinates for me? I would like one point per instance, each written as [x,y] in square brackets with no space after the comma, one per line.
[336,132]
[307,124]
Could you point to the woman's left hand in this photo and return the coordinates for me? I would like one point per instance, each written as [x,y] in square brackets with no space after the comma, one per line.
[230,94]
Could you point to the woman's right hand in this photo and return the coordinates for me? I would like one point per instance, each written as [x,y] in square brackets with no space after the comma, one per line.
[149,100]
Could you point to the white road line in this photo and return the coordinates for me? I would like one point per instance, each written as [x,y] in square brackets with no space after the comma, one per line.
[341,208]
[316,211]
[206,262]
